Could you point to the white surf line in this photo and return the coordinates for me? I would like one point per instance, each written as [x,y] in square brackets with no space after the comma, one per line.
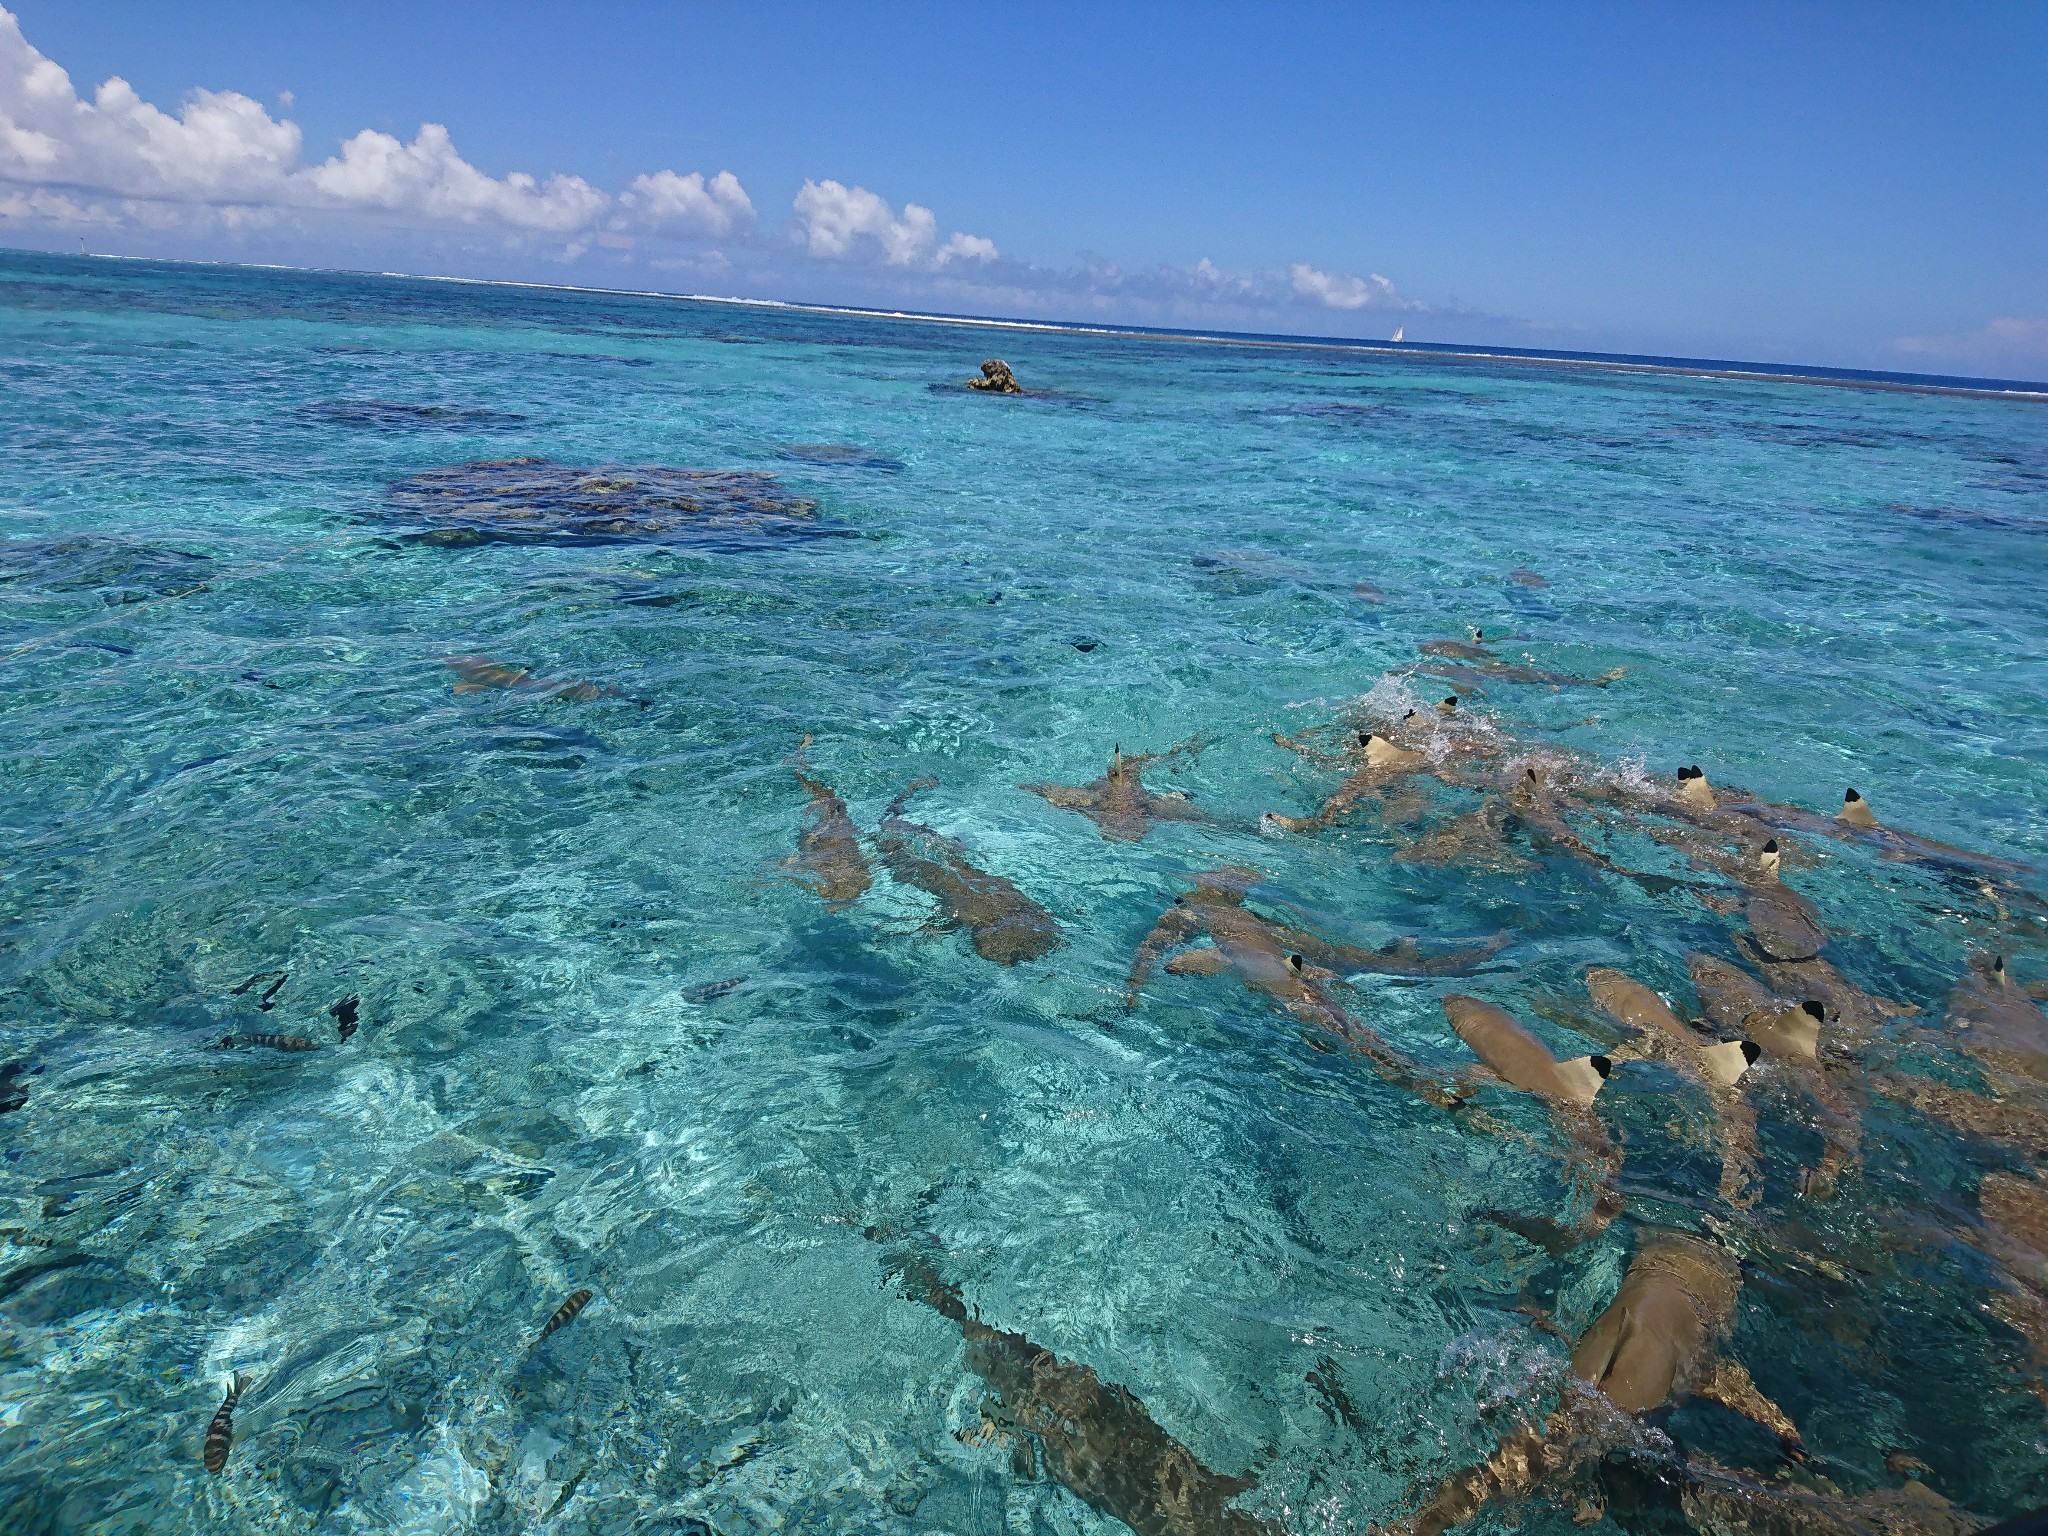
[1411,350]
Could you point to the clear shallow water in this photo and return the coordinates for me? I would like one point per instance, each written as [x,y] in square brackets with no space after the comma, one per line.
[232,745]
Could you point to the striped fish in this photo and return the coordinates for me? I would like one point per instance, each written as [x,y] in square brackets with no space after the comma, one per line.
[565,1314]
[278,1042]
[220,1434]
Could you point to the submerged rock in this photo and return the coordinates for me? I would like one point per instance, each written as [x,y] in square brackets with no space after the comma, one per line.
[116,570]
[838,456]
[997,379]
[401,415]
[537,501]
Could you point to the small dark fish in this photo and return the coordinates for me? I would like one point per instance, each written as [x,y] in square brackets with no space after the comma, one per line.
[1368,592]
[13,1085]
[275,1042]
[1086,643]
[711,989]
[345,1014]
[1521,575]
[220,1434]
[566,1313]
[277,979]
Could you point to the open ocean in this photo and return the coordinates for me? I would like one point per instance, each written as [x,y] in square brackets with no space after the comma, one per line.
[241,783]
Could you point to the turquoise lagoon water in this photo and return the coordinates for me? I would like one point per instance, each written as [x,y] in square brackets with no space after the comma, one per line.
[232,746]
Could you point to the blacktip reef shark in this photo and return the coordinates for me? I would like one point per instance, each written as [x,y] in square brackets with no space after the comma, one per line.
[1477,838]
[1386,762]
[828,855]
[1513,1055]
[2007,1030]
[1995,1022]
[1698,800]
[1716,1067]
[1004,924]
[474,674]
[1473,676]
[1718,1502]
[1656,1344]
[1118,802]
[1291,967]
[1736,1003]
[1783,926]
[1093,1438]
[2014,1209]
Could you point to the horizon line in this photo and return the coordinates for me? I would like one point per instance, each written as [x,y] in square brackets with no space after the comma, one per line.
[1967,386]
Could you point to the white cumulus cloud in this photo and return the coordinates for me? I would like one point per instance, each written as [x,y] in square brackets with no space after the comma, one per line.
[221,146]
[717,208]
[835,222]
[428,180]
[220,175]
[1339,290]
[224,161]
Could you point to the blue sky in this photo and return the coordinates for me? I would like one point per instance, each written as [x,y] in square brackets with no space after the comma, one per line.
[1863,185]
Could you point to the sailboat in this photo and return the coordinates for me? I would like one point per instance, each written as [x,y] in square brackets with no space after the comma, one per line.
[1397,333]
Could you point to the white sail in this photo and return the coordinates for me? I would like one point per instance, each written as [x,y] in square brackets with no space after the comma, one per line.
[1398,330]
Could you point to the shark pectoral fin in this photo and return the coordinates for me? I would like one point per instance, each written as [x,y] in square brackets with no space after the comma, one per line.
[1068,797]
[1172,808]
[1198,962]
[1728,1384]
